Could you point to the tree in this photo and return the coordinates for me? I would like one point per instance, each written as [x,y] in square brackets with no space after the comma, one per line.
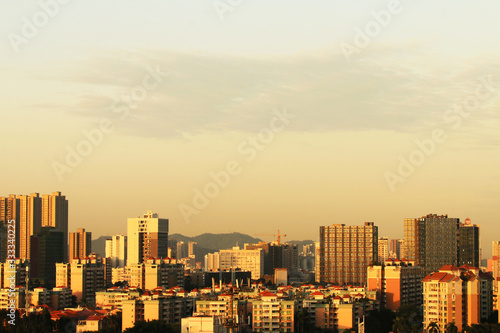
[400,324]
[451,328]
[433,327]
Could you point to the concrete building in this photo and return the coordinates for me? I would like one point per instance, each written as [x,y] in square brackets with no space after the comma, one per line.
[277,256]
[221,306]
[431,241]
[80,244]
[383,249]
[61,297]
[271,314]
[203,324]
[55,214]
[469,244]
[170,310]
[85,276]
[17,297]
[114,297]
[337,313]
[249,260]
[116,249]
[153,273]
[30,222]
[47,249]
[463,295]
[397,282]
[147,237]
[19,269]
[212,262]
[345,253]
[9,211]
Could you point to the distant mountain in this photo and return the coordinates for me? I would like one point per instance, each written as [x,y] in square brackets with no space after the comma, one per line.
[207,243]
[301,243]
[216,242]
[99,245]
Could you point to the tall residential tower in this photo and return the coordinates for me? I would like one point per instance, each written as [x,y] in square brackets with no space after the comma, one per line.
[346,251]
[147,237]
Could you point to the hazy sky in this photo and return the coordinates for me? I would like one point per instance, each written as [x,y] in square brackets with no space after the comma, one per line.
[308,113]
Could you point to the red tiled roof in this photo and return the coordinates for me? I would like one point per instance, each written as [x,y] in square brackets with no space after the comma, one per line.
[439,276]
[267,294]
[317,294]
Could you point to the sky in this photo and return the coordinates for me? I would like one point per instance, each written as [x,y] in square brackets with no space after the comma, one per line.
[254,116]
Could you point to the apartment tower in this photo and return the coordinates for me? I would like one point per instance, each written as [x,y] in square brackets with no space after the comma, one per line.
[345,252]
[80,244]
[431,241]
[147,237]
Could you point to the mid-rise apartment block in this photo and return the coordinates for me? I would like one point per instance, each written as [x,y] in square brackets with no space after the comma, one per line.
[84,276]
[463,295]
[397,282]
[147,237]
[345,253]
[153,273]
[271,314]
[170,310]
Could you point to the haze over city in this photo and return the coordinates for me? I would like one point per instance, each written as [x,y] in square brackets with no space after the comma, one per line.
[166,99]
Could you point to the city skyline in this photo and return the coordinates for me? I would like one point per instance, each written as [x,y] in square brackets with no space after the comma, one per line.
[243,120]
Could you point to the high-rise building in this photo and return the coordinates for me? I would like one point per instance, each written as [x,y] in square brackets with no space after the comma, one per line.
[469,247]
[181,250]
[80,244]
[395,249]
[244,259]
[346,251]
[496,260]
[191,248]
[30,221]
[55,214]
[212,262]
[46,250]
[9,210]
[273,255]
[147,237]
[463,295]
[116,249]
[431,241]
[383,249]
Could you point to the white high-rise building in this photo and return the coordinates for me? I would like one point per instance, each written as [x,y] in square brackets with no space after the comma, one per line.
[147,237]
[250,260]
[116,249]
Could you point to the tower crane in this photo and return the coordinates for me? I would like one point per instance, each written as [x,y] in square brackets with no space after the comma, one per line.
[278,236]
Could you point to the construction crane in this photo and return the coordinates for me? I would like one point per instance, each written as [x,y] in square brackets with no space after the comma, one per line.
[278,236]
